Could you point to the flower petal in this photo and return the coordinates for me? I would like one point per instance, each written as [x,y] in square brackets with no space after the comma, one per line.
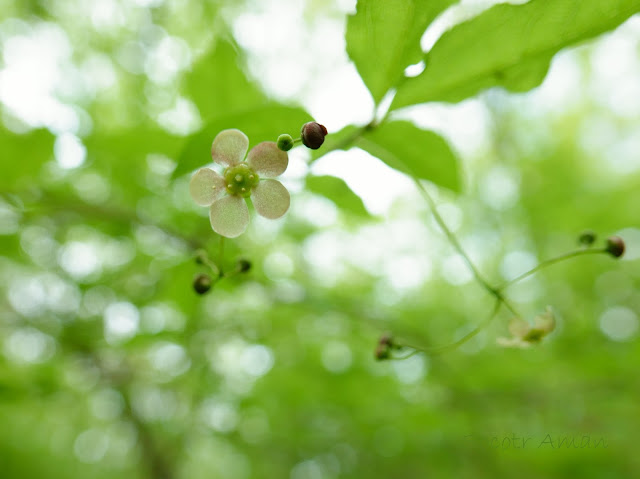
[229,216]
[271,199]
[206,186]
[229,147]
[267,159]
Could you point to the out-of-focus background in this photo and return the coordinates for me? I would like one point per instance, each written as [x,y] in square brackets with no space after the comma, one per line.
[110,364]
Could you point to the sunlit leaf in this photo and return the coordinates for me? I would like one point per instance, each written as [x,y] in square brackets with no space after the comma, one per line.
[420,153]
[336,190]
[383,38]
[509,46]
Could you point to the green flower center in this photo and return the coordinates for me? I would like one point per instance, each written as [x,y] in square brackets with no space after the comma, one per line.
[240,180]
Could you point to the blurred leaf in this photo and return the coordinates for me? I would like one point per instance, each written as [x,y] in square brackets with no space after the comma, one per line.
[420,153]
[22,157]
[336,190]
[383,38]
[339,140]
[217,84]
[509,46]
[260,124]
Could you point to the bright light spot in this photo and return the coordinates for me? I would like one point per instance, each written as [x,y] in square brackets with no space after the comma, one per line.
[257,360]
[455,270]
[407,271]
[499,188]
[79,259]
[29,345]
[169,358]
[516,263]
[336,357]
[153,404]
[92,188]
[410,370]
[169,57]
[315,210]
[619,323]
[182,119]
[69,151]
[631,237]
[161,317]
[278,266]
[218,415]
[377,184]
[120,322]
[414,70]
[91,446]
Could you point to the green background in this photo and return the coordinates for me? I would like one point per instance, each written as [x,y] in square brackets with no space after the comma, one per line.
[272,373]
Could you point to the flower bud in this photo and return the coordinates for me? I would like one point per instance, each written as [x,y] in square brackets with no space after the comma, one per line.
[313,134]
[285,142]
[201,257]
[202,283]
[383,349]
[244,265]
[615,246]
[587,237]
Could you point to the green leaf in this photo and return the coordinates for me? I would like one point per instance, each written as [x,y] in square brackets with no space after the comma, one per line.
[22,157]
[336,190]
[419,153]
[509,46]
[260,124]
[338,140]
[383,38]
[217,84]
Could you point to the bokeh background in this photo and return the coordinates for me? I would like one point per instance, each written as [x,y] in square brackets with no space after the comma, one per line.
[110,364]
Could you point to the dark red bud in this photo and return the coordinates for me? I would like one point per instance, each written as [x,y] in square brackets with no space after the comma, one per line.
[615,246]
[313,134]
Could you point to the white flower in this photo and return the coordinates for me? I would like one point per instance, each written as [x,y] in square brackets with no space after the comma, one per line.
[226,194]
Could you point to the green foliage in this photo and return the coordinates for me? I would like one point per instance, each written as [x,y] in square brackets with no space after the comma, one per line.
[23,156]
[509,46]
[336,190]
[419,153]
[111,365]
[383,38]
[217,84]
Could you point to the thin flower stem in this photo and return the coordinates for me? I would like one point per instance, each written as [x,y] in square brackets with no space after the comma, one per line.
[454,240]
[549,262]
[221,252]
[462,340]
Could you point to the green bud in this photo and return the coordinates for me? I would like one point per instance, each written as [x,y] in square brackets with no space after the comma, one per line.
[202,283]
[587,238]
[313,134]
[615,246]
[285,142]
[201,257]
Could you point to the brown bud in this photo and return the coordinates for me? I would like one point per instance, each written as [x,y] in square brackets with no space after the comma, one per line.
[202,283]
[313,134]
[615,246]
